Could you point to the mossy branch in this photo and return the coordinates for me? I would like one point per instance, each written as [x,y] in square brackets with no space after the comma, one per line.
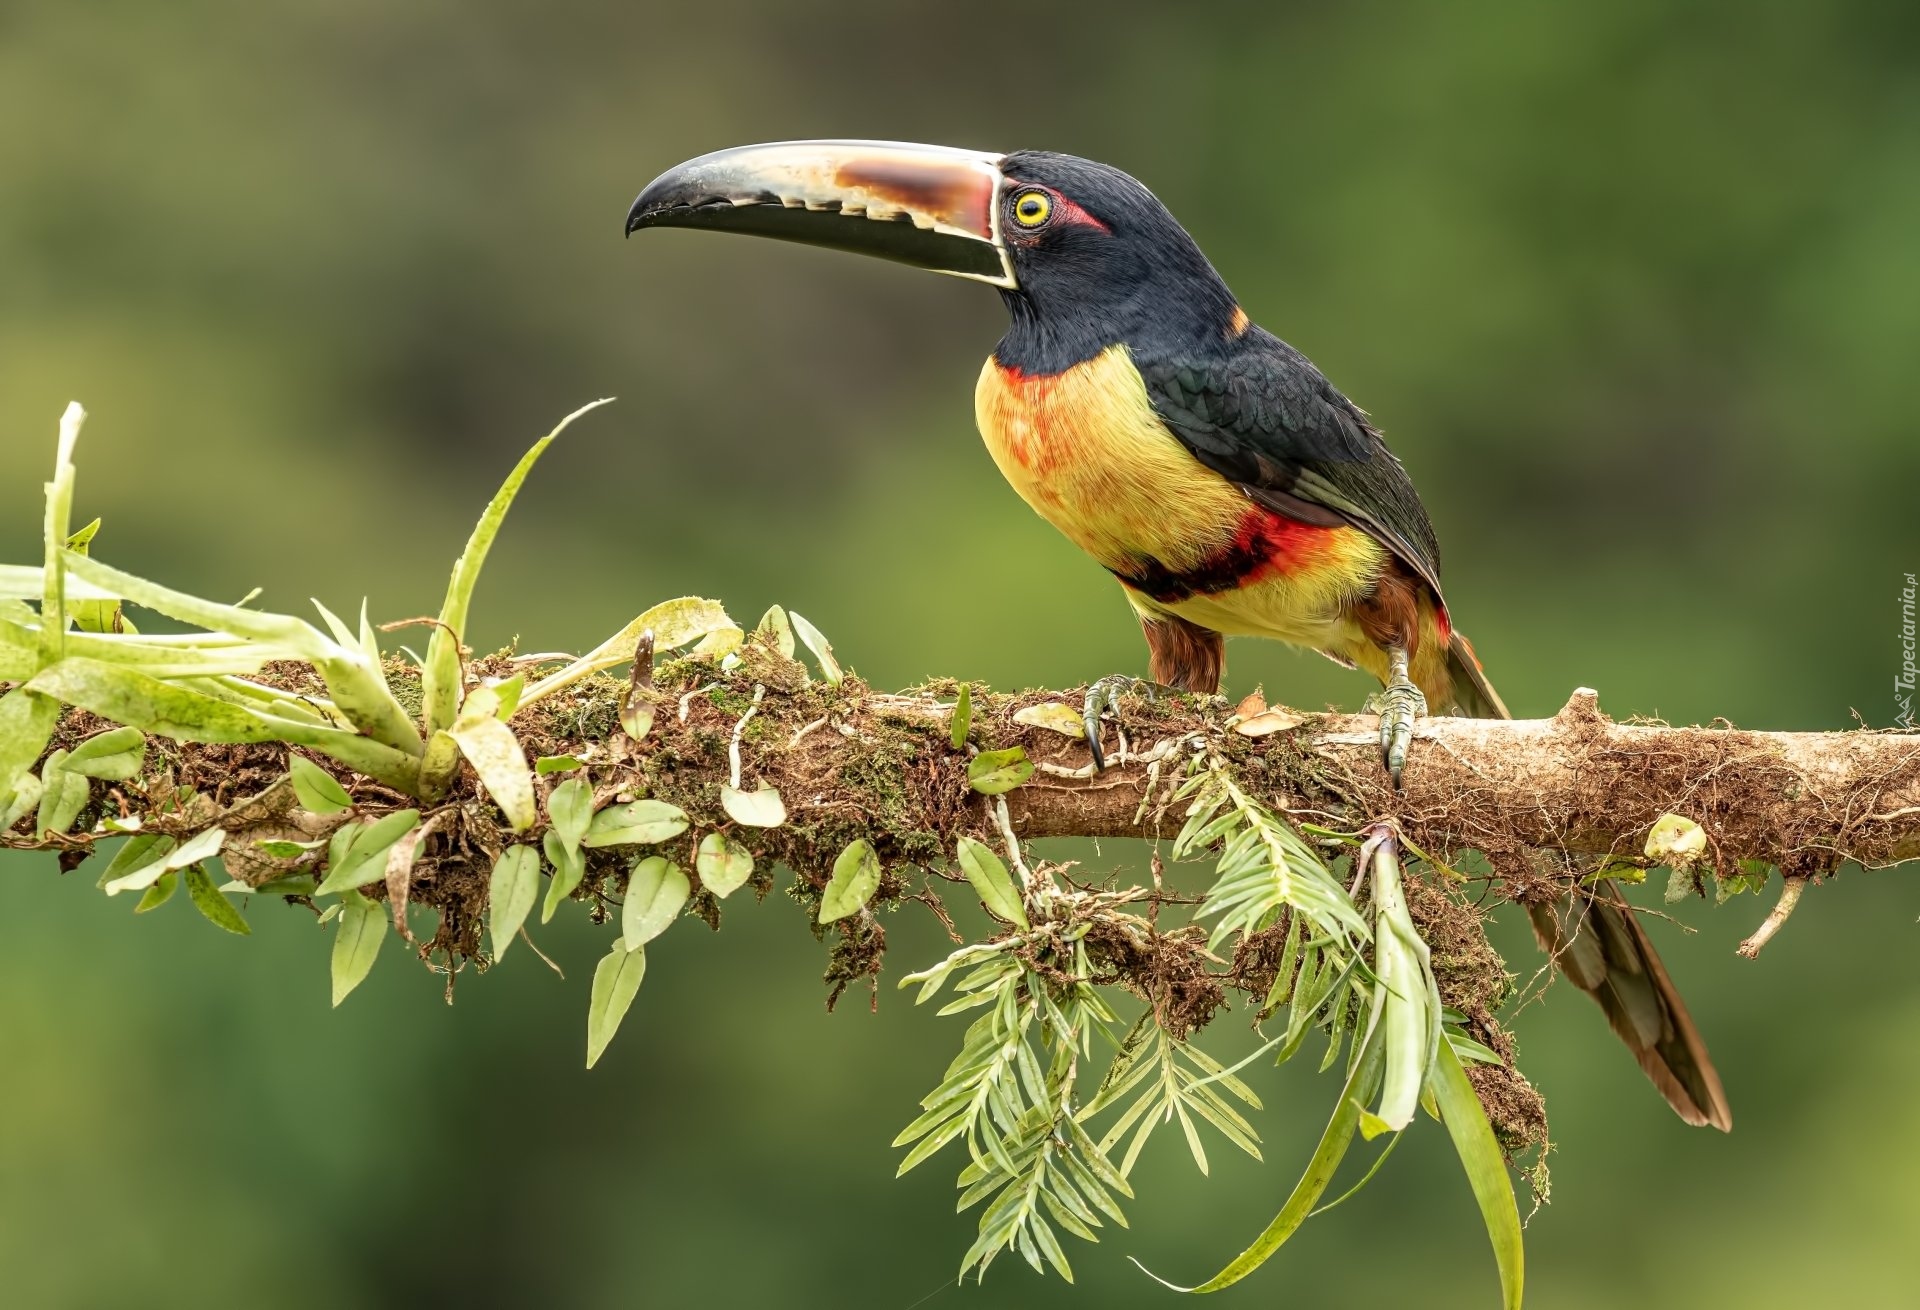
[324,771]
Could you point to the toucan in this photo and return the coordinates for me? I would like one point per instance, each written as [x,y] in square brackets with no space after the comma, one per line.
[1201,460]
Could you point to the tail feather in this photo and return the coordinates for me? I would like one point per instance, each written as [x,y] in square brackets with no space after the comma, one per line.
[1471,691]
[1595,941]
[1640,1001]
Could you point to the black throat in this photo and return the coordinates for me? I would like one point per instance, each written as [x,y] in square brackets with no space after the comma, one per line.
[1159,308]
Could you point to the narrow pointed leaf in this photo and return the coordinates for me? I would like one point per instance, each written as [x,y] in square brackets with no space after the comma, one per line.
[137,854]
[570,810]
[201,846]
[822,649]
[364,859]
[569,868]
[991,882]
[1473,1139]
[673,624]
[1313,1183]
[962,721]
[441,675]
[615,981]
[160,893]
[356,942]
[214,907]
[318,791]
[511,892]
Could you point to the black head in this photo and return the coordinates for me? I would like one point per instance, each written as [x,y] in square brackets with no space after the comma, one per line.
[1085,256]
[1097,260]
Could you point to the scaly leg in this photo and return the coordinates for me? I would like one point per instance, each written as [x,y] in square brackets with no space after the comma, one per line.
[1399,703]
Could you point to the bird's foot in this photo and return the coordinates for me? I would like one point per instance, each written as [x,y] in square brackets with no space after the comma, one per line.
[1104,694]
[1399,703]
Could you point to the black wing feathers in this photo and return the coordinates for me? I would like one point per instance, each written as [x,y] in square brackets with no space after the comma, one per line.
[1264,416]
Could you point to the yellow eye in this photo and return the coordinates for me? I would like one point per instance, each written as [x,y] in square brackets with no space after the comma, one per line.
[1032,208]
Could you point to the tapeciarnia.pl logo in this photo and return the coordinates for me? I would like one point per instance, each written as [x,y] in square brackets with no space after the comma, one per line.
[1903,680]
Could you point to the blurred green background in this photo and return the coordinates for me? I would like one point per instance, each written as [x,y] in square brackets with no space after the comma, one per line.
[1633,288]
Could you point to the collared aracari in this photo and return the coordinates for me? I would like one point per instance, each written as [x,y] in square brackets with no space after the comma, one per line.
[1204,462]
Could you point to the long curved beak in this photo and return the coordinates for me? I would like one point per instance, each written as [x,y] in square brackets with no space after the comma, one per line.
[933,207]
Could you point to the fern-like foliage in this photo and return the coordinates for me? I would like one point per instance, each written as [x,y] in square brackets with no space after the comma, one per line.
[1010,1095]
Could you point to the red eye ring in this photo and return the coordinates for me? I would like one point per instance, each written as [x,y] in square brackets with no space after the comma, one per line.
[1032,208]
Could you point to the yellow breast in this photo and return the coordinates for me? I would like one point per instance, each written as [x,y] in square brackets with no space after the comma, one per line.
[1085,449]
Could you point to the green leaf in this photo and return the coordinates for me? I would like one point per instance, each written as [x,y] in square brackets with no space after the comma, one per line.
[438,764]
[62,795]
[1410,1007]
[962,721]
[201,846]
[657,890]
[673,624]
[214,907]
[822,649]
[1676,840]
[615,980]
[440,676]
[570,810]
[26,725]
[93,615]
[364,860]
[1313,1183]
[363,926]
[115,755]
[136,854]
[569,869]
[511,892]
[125,695]
[774,626]
[160,893]
[496,756]
[1479,1151]
[993,772]
[143,861]
[318,791]
[724,865]
[1054,717]
[856,876]
[280,849]
[636,823]
[760,808]
[509,690]
[557,764]
[27,791]
[355,683]
[636,713]
[992,883]
[293,884]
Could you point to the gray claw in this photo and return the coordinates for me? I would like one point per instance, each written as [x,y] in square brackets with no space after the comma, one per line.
[1104,694]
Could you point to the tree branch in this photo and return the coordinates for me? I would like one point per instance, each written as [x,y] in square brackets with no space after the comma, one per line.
[1804,801]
